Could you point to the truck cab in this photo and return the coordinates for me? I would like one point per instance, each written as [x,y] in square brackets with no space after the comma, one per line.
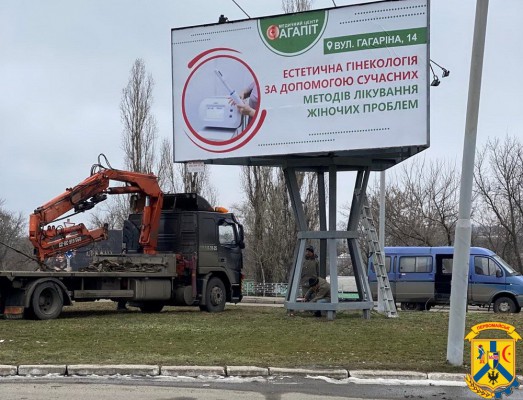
[189,226]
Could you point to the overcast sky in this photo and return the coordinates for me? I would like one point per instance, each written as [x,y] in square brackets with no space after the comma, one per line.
[63,65]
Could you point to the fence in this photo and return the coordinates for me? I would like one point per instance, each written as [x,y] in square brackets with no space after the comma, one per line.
[251,288]
[346,284]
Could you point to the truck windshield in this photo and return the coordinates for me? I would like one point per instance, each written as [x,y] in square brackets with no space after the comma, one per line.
[506,266]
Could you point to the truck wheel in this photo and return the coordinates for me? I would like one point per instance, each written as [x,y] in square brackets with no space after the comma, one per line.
[47,301]
[215,295]
[504,305]
[152,307]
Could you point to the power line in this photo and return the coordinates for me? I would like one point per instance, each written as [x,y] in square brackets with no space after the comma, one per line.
[237,5]
[24,254]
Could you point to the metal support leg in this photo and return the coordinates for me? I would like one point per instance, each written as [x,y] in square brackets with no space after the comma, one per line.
[360,273]
[331,243]
[292,186]
[323,223]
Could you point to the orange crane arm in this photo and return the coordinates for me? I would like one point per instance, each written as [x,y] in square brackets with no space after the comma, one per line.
[84,196]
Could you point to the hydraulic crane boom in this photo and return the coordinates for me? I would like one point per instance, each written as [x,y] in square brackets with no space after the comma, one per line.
[51,240]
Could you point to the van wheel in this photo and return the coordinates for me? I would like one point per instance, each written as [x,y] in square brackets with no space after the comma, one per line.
[215,296]
[408,306]
[504,305]
[47,301]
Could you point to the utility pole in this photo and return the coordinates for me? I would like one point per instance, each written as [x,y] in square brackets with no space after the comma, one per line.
[381,225]
[460,266]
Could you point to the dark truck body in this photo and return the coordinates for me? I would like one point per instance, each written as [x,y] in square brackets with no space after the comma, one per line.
[198,263]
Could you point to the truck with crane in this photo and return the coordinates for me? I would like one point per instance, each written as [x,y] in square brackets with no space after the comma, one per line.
[177,250]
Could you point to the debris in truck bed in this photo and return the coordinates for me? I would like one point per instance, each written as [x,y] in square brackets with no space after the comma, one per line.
[111,266]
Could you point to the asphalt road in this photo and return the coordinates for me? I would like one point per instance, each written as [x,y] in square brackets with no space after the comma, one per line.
[125,388]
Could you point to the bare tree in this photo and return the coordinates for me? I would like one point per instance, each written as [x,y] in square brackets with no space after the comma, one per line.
[308,183]
[138,140]
[498,178]
[257,184]
[308,191]
[12,235]
[290,6]
[111,212]
[197,182]
[271,231]
[166,175]
[139,125]
[421,202]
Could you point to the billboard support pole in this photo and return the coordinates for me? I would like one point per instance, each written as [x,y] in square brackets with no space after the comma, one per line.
[381,231]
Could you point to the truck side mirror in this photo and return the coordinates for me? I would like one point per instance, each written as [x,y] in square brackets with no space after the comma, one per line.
[242,237]
[499,274]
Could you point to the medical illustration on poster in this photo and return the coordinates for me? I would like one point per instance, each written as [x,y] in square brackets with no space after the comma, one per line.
[211,104]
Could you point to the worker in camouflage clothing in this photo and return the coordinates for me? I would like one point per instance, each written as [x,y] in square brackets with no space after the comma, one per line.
[310,268]
[319,292]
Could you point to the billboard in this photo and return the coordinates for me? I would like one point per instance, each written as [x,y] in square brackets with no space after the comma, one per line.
[325,81]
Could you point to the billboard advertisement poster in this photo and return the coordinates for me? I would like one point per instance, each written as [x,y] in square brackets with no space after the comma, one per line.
[322,81]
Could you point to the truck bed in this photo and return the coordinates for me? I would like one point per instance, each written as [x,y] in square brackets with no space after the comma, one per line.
[70,274]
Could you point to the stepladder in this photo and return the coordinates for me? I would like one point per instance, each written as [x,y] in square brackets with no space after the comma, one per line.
[386,303]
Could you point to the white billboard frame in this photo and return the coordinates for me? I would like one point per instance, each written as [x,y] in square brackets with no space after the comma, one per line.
[350,81]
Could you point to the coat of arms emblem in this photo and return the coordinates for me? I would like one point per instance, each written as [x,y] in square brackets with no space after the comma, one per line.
[493,361]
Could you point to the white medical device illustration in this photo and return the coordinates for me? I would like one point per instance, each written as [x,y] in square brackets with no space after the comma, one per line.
[232,93]
[218,112]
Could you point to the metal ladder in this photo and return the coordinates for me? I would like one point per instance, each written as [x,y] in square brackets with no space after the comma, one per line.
[385,299]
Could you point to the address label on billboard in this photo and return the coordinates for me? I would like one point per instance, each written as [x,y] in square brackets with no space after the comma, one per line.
[349,78]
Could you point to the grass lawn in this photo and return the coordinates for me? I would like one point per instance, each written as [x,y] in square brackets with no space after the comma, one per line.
[95,333]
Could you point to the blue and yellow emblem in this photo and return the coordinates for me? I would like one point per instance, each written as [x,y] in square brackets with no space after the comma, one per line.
[492,361]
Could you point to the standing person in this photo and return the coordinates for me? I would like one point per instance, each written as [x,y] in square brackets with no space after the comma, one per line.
[310,268]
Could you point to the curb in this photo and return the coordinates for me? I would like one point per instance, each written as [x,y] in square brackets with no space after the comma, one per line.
[385,374]
[83,370]
[104,370]
[246,371]
[8,370]
[445,376]
[192,372]
[42,370]
[329,373]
